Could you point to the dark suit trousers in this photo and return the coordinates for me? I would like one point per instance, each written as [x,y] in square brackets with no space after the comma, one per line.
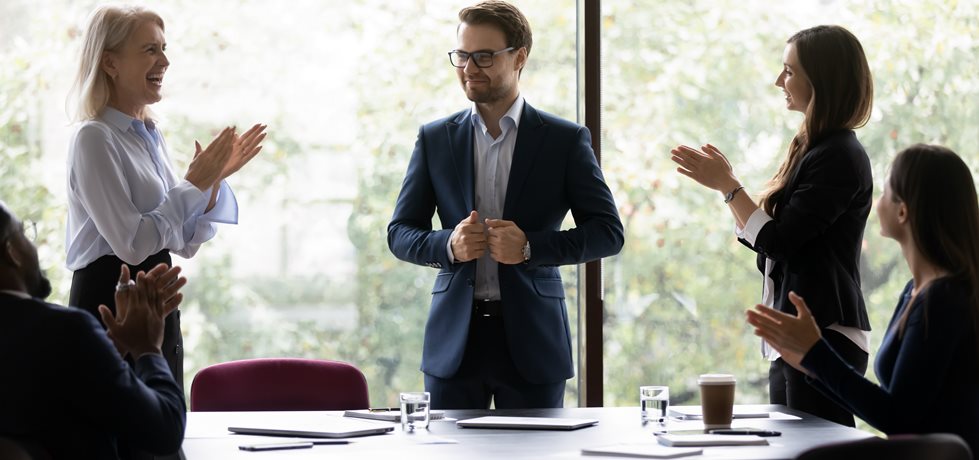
[788,386]
[95,285]
[487,374]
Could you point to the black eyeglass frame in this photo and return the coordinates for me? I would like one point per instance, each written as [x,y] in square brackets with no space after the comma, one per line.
[476,56]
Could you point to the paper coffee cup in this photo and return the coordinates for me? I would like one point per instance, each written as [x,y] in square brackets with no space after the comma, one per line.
[717,399]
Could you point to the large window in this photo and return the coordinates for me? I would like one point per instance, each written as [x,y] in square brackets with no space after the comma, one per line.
[344,87]
[704,71]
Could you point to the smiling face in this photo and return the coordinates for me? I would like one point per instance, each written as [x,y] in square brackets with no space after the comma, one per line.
[794,81]
[136,69]
[495,83]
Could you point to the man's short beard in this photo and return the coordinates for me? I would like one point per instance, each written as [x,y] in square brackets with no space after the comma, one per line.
[41,288]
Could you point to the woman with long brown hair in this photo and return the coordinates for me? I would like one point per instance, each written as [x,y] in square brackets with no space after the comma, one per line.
[928,362]
[808,228]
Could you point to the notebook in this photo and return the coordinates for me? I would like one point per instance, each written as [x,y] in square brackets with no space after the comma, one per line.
[642,451]
[695,413]
[331,427]
[389,415]
[705,440]
[527,423]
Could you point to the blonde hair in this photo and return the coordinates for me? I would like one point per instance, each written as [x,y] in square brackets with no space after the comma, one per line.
[108,29]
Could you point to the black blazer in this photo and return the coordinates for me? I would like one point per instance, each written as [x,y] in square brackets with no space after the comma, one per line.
[66,389]
[817,232]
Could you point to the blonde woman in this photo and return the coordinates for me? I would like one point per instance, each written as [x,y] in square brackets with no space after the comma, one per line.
[125,204]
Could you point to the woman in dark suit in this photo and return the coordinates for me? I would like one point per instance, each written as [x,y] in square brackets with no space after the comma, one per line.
[928,362]
[808,228]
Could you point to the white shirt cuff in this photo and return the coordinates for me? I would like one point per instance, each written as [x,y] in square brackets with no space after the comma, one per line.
[448,250]
[754,225]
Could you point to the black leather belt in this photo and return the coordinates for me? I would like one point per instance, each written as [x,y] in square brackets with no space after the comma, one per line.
[488,308]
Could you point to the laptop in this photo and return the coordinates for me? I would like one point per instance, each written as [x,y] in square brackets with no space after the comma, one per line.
[527,423]
[332,427]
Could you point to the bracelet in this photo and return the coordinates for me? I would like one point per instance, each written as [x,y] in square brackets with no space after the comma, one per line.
[730,195]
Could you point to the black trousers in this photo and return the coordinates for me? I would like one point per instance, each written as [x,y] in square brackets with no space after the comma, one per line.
[95,285]
[487,374]
[788,386]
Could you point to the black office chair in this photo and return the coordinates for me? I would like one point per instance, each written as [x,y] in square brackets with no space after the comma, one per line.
[937,446]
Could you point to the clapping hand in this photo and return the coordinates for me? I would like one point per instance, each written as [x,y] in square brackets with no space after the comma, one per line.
[208,166]
[707,166]
[792,336]
[141,308]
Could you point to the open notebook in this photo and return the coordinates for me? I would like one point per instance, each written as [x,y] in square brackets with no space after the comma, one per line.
[331,427]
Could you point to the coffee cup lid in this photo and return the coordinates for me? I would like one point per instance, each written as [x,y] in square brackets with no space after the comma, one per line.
[715,378]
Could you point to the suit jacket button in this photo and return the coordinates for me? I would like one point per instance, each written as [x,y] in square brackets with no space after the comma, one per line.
[470,282]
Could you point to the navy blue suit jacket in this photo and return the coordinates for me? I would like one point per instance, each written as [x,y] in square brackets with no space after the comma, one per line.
[929,377]
[554,171]
[66,389]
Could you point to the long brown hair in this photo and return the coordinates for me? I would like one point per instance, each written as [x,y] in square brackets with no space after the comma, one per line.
[943,211]
[842,96]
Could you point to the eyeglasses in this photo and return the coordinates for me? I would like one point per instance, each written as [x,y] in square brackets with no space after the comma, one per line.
[482,59]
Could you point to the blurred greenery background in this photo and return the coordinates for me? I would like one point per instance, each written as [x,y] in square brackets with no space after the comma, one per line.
[344,87]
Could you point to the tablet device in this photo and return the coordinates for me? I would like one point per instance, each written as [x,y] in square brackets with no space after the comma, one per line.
[527,423]
[332,427]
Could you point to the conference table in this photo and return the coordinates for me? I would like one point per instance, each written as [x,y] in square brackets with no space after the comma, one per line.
[207,436]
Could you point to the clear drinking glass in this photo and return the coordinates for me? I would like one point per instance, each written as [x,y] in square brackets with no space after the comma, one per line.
[654,400]
[415,410]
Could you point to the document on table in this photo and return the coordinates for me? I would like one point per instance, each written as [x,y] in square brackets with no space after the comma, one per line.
[527,423]
[645,450]
[694,413]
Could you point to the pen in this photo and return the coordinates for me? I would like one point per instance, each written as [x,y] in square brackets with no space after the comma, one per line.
[383,409]
[746,431]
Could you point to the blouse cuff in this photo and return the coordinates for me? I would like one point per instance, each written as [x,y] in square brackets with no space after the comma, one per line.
[753,226]
[225,210]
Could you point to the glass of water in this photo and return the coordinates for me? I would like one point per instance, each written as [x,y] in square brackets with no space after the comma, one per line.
[415,410]
[653,402]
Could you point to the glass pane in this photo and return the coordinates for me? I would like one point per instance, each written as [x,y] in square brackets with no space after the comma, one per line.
[703,71]
[344,87]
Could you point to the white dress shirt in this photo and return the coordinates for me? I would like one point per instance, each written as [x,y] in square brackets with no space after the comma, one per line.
[492,158]
[124,199]
[749,233]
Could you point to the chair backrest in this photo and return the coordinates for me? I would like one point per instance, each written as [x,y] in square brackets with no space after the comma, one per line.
[270,384]
[937,446]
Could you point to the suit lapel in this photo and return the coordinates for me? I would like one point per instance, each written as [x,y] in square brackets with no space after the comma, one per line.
[530,137]
[460,132]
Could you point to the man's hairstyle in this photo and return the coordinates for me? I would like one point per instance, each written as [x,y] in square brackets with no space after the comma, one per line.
[504,16]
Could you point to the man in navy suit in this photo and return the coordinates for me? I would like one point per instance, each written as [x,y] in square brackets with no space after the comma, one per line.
[66,391]
[502,177]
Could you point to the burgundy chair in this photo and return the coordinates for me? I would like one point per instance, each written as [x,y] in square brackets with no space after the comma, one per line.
[936,446]
[278,384]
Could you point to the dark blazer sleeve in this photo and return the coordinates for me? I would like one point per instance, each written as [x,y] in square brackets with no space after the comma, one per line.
[145,407]
[598,232]
[937,326]
[410,234]
[827,183]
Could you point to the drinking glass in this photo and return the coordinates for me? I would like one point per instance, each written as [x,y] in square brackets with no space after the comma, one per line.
[415,410]
[653,403]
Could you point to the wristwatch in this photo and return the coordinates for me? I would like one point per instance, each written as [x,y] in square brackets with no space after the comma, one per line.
[526,251]
[730,195]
